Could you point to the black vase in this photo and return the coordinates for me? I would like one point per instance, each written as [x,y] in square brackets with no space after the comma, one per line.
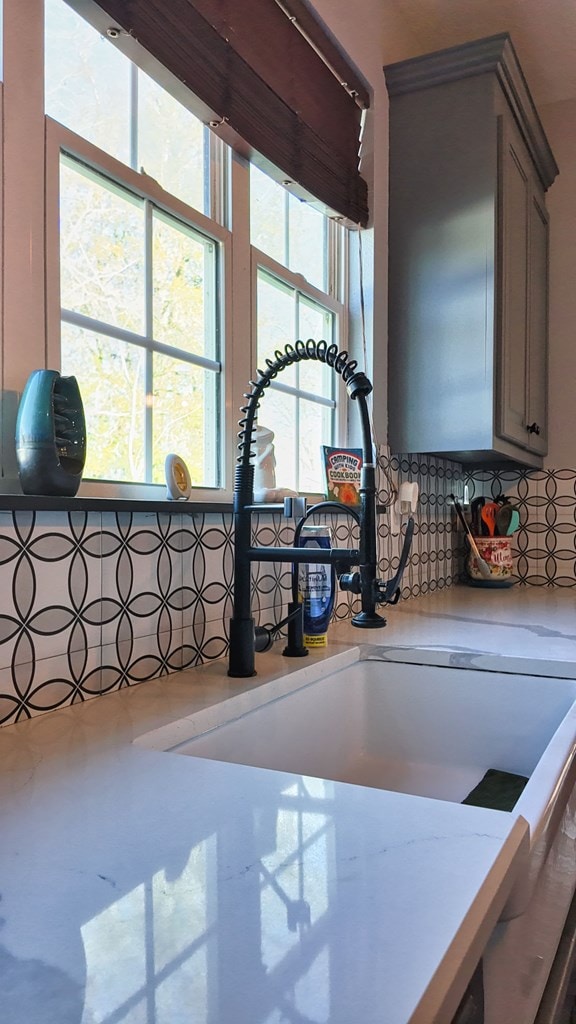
[50,435]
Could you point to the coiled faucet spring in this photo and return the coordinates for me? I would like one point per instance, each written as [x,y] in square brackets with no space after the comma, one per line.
[310,350]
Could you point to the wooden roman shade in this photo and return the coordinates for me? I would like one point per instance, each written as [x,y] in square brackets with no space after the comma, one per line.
[250,64]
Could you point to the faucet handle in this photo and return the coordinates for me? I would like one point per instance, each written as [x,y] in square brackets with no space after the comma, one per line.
[349,581]
[263,639]
[389,593]
[386,592]
[295,507]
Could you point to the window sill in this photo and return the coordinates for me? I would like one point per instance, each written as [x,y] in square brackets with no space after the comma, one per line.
[58,503]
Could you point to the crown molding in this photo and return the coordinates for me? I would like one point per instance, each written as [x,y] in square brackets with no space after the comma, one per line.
[494,55]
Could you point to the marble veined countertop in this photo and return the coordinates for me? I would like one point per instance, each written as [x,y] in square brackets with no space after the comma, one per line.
[144,887]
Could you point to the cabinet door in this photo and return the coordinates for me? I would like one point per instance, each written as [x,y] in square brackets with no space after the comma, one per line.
[537,409]
[515,174]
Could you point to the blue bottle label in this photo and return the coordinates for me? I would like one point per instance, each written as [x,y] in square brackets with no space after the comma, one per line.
[317,587]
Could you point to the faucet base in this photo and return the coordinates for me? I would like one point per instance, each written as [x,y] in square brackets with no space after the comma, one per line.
[295,647]
[242,646]
[368,620]
[295,652]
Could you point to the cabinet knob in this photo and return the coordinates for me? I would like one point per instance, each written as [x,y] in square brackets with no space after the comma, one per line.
[533,428]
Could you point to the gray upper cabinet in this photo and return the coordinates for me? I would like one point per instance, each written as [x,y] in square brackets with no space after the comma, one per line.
[468,257]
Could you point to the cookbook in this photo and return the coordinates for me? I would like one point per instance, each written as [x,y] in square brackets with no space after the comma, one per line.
[342,468]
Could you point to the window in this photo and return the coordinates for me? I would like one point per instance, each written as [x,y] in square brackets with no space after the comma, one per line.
[139,281]
[293,255]
[147,272]
[139,330]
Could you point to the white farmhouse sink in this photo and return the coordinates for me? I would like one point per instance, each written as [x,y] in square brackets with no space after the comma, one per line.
[410,728]
[423,730]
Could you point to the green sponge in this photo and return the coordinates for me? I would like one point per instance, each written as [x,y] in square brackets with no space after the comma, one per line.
[497,790]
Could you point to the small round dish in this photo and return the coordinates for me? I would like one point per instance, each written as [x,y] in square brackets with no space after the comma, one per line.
[178,484]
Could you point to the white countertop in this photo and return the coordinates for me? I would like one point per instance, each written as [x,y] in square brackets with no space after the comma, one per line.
[143,887]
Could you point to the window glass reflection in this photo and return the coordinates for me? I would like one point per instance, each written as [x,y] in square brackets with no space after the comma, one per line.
[213,941]
[161,976]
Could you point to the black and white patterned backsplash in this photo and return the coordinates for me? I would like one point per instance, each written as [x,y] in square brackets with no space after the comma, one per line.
[544,547]
[437,554]
[97,601]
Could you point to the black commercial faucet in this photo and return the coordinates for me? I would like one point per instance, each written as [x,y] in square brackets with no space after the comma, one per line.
[245,638]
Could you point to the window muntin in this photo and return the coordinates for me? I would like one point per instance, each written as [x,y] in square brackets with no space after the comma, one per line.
[301,405]
[144,341]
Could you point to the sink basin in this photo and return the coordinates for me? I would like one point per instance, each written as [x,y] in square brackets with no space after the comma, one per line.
[414,729]
[423,730]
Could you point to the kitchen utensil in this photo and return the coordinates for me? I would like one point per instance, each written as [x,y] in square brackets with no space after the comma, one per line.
[503,519]
[514,523]
[475,515]
[482,566]
[489,512]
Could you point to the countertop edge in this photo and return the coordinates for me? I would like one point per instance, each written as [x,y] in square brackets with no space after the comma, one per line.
[444,993]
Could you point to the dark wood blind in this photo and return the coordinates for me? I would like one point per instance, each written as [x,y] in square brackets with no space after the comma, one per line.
[250,64]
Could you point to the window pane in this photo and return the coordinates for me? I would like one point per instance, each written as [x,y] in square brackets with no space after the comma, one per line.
[111,378]
[315,322]
[183,288]
[306,239]
[267,215]
[300,425]
[287,229]
[87,81]
[278,412]
[315,430]
[170,143]
[101,249]
[185,415]
[276,321]
[300,428]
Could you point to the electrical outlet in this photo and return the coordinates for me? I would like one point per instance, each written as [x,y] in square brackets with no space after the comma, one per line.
[408,497]
[394,518]
[405,504]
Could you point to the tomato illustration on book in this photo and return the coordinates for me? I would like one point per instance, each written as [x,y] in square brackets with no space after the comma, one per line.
[342,470]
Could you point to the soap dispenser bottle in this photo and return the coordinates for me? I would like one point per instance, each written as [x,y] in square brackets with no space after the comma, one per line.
[317,586]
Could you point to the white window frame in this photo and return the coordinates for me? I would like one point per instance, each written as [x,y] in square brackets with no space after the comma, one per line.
[60,140]
[260,261]
[31,272]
